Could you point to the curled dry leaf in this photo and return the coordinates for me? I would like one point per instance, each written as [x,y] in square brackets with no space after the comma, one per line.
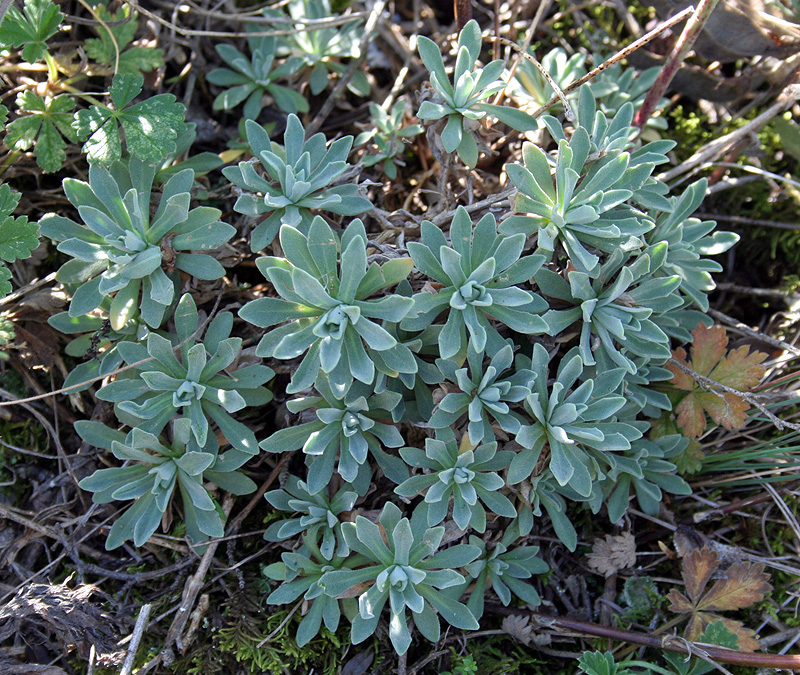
[742,585]
[613,553]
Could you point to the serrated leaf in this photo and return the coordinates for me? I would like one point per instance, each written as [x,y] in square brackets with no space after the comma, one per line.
[717,634]
[32,27]
[134,60]
[18,237]
[742,585]
[44,126]
[151,126]
[739,370]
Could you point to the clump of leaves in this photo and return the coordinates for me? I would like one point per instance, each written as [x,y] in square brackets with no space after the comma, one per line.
[568,421]
[462,102]
[197,386]
[322,48]
[387,137]
[18,237]
[157,467]
[250,79]
[742,584]
[470,477]
[319,516]
[325,286]
[504,570]
[740,370]
[44,123]
[123,251]
[348,428]
[479,275]
[299,177]
[406,570]
[112,46]
[484,395]
[301,573]
[150,127]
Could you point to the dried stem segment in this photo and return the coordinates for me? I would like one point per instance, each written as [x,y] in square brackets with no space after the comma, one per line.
[679,52]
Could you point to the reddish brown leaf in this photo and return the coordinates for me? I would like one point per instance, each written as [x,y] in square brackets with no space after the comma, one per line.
[680,604]
[697,569]
[708,347]
[739,370]
[744,584]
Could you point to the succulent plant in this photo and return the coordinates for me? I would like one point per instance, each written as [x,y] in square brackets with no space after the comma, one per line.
[480,274]
[504,570]
[123,252]
[407,570]
[387,137]
[301,572]
[297,178]
[326,310]
[483,395]
[348,428]
[250,79]
[462,102]
[616,306]
[161,386]
[572,423]
[319,516]
[467,476]
[157,467]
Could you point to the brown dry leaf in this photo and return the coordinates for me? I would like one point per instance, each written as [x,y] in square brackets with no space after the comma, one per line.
[613,553]
[739,369]
[742,585]
[519,628]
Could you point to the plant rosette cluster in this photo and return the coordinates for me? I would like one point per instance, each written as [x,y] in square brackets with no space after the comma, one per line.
[155,469]
[325,306]
[161,386]
[298,178]
[122,251]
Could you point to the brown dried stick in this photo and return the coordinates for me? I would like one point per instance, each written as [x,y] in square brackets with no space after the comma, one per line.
[625,51]
[683,46]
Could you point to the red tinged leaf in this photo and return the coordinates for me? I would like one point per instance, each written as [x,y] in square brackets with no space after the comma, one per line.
[741,585]
[740,370]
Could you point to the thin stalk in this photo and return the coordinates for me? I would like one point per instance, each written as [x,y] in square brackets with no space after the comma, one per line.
[679,52]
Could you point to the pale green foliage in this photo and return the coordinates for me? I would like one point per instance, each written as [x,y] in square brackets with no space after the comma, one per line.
[160,386]
[250,79]
[347,428]
[325,285]
[122,251]
[302,572]
[155,469]
[484,396]
[318,516]
[504,569]
[618,306]
[467,476]
[480,272]
[462,100]
[387,137]
[299,178]
[576,422]
[322,48]
[406,570]
[530,85]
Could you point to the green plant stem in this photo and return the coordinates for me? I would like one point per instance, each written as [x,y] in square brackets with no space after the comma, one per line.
[52,67]
[679,52]
[86,97]
[668,643]
[10,159]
